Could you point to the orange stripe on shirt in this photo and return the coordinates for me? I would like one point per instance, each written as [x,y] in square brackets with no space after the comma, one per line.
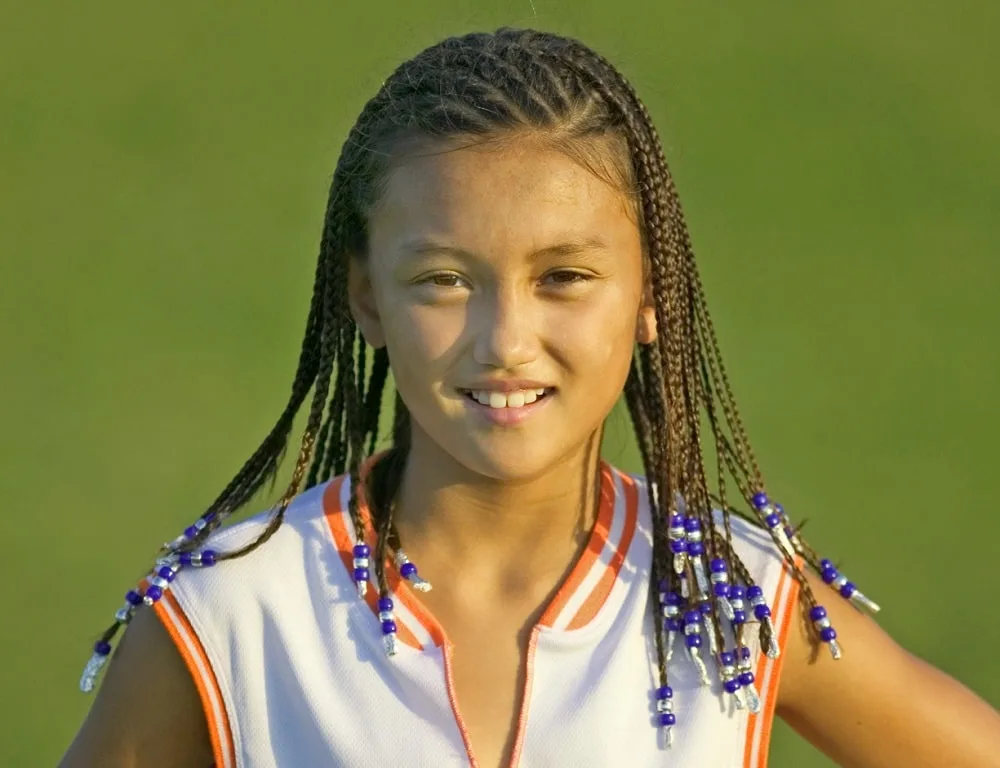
[759,726]
[186,640]
[598,538]
[600,593]
[345,547]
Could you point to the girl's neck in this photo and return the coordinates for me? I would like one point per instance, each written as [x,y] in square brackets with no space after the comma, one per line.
[495,533]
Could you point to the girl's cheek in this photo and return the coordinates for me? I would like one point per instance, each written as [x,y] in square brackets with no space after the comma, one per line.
[423,337]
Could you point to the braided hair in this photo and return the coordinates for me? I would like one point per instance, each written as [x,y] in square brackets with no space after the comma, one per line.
[477,87]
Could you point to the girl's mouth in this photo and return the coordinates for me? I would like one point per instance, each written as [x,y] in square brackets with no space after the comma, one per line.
[507,408]
[515,399]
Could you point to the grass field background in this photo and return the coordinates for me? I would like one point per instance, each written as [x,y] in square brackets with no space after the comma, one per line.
[163,171]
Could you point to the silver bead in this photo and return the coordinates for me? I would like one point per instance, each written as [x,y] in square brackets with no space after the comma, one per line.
[713,644]
[700,666]
[91,671]
[389,643]
[385,616]
[835,650]
[864,602]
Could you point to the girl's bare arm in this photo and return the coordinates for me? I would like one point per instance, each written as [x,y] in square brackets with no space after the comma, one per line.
[879,706]
[147,713]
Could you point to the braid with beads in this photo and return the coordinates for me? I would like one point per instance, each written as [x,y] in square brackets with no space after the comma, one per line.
[474,88]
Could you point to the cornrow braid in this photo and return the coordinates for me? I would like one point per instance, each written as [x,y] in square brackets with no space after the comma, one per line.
[474,88]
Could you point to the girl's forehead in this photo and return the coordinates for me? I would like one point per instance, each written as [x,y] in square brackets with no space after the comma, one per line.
[482,190]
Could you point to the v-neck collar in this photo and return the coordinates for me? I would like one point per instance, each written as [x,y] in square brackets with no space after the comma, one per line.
[576,603]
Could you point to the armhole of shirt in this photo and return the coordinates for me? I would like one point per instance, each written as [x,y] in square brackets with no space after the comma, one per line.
[768,672]
[190,647]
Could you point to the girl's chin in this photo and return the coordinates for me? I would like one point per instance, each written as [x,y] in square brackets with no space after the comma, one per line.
[512,461]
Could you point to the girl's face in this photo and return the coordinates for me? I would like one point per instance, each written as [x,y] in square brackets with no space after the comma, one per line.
[507,286]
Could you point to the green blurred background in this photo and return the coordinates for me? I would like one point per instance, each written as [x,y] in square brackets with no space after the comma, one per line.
[164,169]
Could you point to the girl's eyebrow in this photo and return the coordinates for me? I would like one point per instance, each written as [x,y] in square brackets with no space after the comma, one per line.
[423,247]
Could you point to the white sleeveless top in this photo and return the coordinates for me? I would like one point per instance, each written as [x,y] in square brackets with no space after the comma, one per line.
[289,664]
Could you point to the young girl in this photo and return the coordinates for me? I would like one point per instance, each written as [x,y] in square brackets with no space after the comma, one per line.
[503,231]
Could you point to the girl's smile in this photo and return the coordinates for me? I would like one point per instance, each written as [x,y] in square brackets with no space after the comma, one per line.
[507,403]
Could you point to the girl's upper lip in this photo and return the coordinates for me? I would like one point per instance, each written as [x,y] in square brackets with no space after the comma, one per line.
[505,385]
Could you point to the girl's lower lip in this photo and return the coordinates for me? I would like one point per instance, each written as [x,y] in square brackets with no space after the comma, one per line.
[508,417]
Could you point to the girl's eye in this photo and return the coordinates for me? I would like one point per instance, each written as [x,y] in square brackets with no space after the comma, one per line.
[565,277]
[444,280]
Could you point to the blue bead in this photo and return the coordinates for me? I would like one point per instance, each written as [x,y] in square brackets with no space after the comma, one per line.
[738,592]
[407,570]
[705,607]
[208,517]
[102,647]
[824,564]
[385,604]
[739,617]
[827,634]
[744,652]
[746,678]
[693,641]
[779,509]
[678,546]
[848,589]
[676,520]
[818,612]
[361,574]
[388,627]
[664,692]
[133,598]
[696,548]
[692,524]
[668,718]
[190,532]
[773,520]
[761,612]
[154,593]
[208,557]
[362,550]
[721,589]
[731,686]
[760,500]
[674,624]
[692,617]
[829,575]
[718,565]
[754,591]
[727,658]
[185,558]
[166,572]
[672,599]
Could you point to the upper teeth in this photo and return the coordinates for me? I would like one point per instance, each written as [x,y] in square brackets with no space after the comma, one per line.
[515,399]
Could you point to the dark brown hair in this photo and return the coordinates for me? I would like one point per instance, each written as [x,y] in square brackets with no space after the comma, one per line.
[481,87]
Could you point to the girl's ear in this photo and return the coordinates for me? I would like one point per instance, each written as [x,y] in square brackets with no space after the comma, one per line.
[645,327]
[361,298]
